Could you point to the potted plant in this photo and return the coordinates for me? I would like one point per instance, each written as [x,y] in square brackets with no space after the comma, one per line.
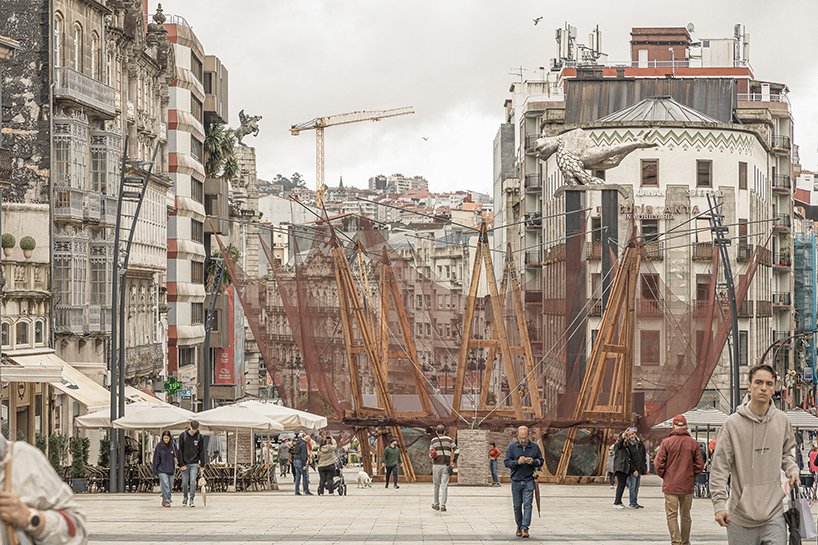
[27,244]
[79,447]
[56,452]
[8,242]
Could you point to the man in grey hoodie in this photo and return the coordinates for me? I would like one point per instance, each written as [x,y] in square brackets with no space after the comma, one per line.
[755,444]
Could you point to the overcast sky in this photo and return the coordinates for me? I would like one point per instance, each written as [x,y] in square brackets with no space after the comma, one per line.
[293,60]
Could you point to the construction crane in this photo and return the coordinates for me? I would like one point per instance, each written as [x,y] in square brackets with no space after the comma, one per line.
[320,123]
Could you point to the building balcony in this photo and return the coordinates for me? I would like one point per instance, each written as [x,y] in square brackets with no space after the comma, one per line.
[533,259]
[782,224]
[84,91]
[782,300]
[93,210]
[596,307]
[533,183]
[654,251]
[781,337]
[744,253]
[781,183]
[703,251]
[108,212]
[593,251]
[69,204]
[761,97]
[784,262]
[70,319]
[764,309]
[531,143]
[533,297]
[144,361]
[533,222]
[780,144]
[24,277]
[745,310]
[649,307]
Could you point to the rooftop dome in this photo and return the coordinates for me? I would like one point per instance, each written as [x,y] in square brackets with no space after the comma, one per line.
[659,109]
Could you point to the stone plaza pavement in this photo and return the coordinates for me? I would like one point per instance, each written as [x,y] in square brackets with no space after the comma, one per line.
[579,515]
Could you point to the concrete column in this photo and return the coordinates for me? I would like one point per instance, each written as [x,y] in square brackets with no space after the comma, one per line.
[12,411]
[575,292]
[473,462]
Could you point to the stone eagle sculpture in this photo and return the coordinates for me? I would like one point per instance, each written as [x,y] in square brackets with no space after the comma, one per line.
[577,153]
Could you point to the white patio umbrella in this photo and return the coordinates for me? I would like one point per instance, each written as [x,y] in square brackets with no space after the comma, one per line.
[237,417]
[102,418]
[707,417]
[291,419]
[154,417]
[802,420]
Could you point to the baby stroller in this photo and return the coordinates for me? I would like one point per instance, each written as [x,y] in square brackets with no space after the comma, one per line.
[339,485]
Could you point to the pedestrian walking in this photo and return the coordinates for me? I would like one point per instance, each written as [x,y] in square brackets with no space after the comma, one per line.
[165,459]
[755,444]
[623,466]
[441,450]
[639,459]
[34,502]
[609,464]
[523,458]
[391,461]
[494,455]
[326,461]
[191,458]
[677,462]
[300,457]
[284,457]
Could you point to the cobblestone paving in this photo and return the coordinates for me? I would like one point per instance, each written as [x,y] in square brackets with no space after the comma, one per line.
[580,515]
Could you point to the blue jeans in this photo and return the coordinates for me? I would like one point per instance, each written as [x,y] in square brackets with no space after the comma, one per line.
[633,489]
[189,478]
[300,474]
[493,466]
[393,470]
[522,493]
[164,483]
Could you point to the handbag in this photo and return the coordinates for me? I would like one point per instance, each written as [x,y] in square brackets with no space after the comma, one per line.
[806,524]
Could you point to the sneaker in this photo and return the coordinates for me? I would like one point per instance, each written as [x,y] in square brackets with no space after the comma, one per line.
[192,504]
[611,487]
[519,532]
[640,506]
[308,494]
[633,507]
[618,506]
[298,493]
[442,507]
[396,486]
[525,533]
[184,501]
[435,507]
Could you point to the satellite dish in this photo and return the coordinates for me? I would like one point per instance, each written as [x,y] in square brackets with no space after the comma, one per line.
[690,27]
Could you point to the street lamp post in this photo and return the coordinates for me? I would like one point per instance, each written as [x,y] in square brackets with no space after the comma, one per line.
[780,342]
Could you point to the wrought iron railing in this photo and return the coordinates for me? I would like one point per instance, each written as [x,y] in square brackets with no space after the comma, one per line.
[73,85]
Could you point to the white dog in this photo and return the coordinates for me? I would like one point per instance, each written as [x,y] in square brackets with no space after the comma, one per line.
[364,480]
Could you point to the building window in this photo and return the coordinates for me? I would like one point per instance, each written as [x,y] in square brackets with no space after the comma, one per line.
[197,190]
[650,347]
[650,230]
[59,38]
[197,231]
[197,313]
[187,356]
[650,286]
[596,230]
[96,56]
[208,83]
[101,271]
[742,175]
[702,287]
[742,233]
[196,66]
[21,333]
[196,108]
[650,172]
[196,148]
[210,204]
[197,272]
[704,173]
[5,332]
[38,332]
[743,350]
[78,52]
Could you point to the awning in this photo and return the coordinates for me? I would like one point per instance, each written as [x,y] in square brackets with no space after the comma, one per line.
[81,388]
[31,368]
[135,395]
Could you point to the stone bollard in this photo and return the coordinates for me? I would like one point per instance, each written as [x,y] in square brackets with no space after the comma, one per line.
[473,462]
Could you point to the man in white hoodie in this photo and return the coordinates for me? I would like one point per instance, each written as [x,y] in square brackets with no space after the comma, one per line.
[754,445]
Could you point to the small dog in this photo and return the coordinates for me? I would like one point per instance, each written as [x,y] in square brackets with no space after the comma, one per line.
[364,480]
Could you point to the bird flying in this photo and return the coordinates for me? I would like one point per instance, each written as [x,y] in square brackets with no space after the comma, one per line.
[537,20]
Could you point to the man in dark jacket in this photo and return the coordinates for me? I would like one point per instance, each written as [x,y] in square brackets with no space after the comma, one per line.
[300,456]
[622,467]
[522,458]
[191,457]
[639,467]
[678,462]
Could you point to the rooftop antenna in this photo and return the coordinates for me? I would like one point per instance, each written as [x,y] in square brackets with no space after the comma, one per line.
[519,72]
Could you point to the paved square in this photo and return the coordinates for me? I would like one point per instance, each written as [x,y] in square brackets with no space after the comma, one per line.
[579,515]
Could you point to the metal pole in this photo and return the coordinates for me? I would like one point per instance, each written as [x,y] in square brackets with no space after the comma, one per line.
[610,239]
[722,242]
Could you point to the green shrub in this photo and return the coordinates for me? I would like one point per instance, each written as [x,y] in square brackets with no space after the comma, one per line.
[28,243]
[79,456]
[8,240]
[104,452]
[40,442]
[57,446]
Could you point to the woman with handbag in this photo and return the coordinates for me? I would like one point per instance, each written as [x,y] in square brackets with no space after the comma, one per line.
[165,459]
[35,505]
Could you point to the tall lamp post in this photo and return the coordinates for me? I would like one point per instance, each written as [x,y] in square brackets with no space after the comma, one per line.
[780,342]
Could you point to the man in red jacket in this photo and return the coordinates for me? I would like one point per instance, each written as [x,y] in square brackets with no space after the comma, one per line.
[678,462]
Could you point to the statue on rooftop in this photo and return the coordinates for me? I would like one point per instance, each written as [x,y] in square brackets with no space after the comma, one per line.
[249,125]
[577,154]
